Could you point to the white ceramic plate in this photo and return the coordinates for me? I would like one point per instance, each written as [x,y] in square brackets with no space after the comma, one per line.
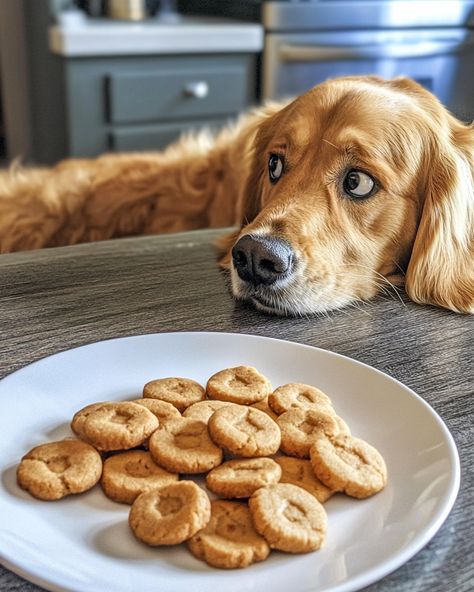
[83,543]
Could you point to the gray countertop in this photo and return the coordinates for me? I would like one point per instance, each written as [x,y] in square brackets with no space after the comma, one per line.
[55,299]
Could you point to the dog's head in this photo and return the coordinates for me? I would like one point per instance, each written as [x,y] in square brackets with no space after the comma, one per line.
[358,184]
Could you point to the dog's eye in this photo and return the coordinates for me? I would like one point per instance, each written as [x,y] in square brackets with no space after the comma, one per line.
[358,184]
[275,167]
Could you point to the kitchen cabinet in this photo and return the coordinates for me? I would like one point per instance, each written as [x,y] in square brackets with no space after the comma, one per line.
[101,85]
[146,102]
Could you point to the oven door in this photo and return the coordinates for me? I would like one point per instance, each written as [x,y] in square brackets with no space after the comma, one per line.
[442,60]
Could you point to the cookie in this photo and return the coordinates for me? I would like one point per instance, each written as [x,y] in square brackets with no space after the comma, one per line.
[348,464]
[183,446]
[204,409]
[171,514]
[297,395]
[229,540]
[298,471]
[243,384]
[299,427]
[263,406]
[162,410]
[288,517]
[180,392]
[241,477]
[244,431]
[57,469]
[114,426]
[128,474]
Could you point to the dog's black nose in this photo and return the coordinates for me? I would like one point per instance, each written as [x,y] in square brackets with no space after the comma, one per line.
[262,259]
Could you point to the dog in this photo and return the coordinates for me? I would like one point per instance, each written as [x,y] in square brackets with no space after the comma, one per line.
[357,185]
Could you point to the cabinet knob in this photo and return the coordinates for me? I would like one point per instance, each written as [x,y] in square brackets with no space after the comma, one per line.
[198,90]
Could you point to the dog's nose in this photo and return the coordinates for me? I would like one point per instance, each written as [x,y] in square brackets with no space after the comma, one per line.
[262,259]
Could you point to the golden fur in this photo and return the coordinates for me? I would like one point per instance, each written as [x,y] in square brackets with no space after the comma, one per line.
[417,229]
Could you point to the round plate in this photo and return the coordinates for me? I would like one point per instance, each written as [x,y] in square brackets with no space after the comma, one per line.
[83,543]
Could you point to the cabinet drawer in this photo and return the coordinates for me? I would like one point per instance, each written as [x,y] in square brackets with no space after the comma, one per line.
[166,94]
[155,137]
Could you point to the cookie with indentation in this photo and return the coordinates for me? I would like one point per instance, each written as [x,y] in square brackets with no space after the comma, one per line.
[299,471]
[244,431]
[114,425]
[289,518]
[171,514]
[348,464]
[241,477]
[204,409]
[180,392]
[57,469]
[297,395]
[299,427]
[128,474]
[243,385]
[162,410]
[229,540]
[264,406]
[183,446]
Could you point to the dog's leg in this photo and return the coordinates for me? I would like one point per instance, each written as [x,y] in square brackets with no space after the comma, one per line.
[112,196]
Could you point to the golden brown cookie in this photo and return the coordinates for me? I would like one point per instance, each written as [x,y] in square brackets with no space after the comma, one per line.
[180,392]
[183,446]
[263,406]
[288,517]
[57,469]
[297,395]
[299,427]
[171,514]
[229,540]
[114,425]
[244,431]
[128,474]
[243,384]
[241,477]
[204,409]
[298,471]
[348,464]
[160,409]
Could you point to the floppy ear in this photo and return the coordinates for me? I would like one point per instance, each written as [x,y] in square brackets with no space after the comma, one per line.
[441,268]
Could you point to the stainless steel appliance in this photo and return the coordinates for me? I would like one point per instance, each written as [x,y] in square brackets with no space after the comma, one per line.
[308,41]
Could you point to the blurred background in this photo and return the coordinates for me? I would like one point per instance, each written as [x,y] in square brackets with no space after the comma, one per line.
[83,77]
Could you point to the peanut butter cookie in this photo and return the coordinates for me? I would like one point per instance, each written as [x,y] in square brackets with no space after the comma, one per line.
[180,392]
[57,469]
[183,446]
[240,478]
[243,384]
[264,406]
[114,425]
[204,409]
[229,540]
[298,471]
[244,431]
[171,514]
[297,395]
[348,464]
[127,475]
[288,517]
[299,427]
[160,409]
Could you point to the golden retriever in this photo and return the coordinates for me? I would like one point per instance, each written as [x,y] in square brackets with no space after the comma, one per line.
[358,184]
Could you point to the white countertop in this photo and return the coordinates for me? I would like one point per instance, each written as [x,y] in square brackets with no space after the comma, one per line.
[105,37]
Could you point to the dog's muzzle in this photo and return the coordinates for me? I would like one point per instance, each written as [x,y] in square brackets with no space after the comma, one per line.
[262,260]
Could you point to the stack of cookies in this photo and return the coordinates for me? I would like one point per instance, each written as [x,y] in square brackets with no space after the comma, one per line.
[271,460]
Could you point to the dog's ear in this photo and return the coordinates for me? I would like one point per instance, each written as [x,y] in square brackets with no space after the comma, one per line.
[441,267]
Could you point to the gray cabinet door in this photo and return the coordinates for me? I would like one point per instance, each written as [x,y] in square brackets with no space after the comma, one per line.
[165,94]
